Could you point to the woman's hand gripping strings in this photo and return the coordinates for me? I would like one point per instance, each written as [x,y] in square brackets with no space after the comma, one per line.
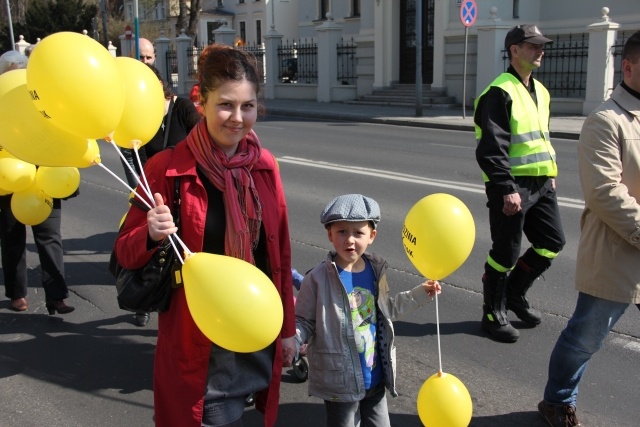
[160,220]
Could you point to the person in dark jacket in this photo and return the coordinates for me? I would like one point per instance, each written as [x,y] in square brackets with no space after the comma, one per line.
[519,167]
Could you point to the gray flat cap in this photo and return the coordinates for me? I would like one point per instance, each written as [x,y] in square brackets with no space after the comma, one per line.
[351,207]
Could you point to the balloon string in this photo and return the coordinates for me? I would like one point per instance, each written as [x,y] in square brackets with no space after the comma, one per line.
[144,185]
[122,182]
[438,332]
[135,175]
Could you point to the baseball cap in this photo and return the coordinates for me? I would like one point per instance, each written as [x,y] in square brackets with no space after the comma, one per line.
[351,207]
[528,32]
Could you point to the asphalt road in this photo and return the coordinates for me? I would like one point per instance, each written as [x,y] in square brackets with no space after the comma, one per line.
[93,367]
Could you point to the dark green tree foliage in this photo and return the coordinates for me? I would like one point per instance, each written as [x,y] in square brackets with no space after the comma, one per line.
[44,17]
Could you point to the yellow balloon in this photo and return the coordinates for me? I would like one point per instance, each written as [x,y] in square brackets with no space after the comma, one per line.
[26,134]
[4,153]
[233,303]
[15,174]
[58,182]
[144,103]
[75,83]
[31,206]
[444,401]
[438,235]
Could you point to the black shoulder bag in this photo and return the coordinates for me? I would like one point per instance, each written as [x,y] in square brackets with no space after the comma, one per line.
[148,288]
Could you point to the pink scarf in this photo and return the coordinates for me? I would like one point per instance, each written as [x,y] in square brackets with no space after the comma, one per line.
[232,177]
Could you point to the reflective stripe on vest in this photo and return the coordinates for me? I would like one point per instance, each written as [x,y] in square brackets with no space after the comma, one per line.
[530,150]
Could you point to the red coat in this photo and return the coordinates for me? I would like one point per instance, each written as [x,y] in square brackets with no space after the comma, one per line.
[182,351]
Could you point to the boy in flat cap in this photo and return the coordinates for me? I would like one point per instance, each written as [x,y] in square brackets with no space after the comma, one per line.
[344,312]
[519,168]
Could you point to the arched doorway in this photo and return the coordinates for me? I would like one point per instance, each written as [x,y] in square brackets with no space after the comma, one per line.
[408,41]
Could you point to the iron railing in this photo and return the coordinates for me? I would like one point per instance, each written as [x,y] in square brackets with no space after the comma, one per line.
[257,50]
[346,51]
[616,56]
[298,62]
[564,66]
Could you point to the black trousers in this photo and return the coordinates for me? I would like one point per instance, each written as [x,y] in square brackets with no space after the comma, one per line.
[48,240]
[539,221]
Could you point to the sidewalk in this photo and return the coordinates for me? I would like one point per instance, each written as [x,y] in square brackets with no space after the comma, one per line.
[567,127]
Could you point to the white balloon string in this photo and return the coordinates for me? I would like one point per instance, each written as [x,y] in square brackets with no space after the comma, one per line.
[133,173]
[438,332]
[172,240]
[123,183]
[144,183]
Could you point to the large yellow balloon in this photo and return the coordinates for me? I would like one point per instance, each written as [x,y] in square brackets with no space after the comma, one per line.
[444,401]
[143,103]
[26,134]
[58,182]
[438,235]
[75,83]
[233,303]
[16,174]
[31,206]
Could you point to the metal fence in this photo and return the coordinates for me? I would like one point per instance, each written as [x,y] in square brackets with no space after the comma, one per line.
[298,62]
[564,66]
[346,51]
[257,50]
[616,55]
[172,68]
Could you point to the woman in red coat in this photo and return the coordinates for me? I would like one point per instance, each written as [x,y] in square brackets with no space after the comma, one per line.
[232,203]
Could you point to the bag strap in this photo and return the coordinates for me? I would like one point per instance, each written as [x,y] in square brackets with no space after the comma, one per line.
[168,124]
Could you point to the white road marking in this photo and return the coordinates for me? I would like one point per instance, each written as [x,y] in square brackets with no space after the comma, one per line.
[396,176]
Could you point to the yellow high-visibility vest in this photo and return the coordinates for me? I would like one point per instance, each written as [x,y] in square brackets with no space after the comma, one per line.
[530,150]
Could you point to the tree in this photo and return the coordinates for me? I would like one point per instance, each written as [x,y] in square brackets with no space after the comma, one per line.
[70,15]
[191,12]
[37,20]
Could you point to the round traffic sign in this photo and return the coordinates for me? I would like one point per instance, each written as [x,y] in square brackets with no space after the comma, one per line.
[468,12]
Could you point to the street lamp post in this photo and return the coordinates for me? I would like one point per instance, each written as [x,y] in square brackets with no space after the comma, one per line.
[13,40]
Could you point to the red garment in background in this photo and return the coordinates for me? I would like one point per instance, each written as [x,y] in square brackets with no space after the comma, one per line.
[194,96]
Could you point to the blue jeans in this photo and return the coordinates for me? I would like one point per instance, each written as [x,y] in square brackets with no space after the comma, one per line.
[371,411]
[590,324]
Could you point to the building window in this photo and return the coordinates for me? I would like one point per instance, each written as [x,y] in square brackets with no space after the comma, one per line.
[324,8]
[240,1]
[259,31]
[243,32]
[355,7]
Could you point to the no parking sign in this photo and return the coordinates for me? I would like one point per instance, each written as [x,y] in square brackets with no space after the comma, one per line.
[468,12]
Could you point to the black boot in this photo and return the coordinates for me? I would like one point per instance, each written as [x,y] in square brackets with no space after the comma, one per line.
[519,282]
[494,317]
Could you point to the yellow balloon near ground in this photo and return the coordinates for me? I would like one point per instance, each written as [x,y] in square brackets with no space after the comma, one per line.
[58,182]
[233,303]
[26,134]
[438,235]
[444,401]
[75,83]
[31,206]
[16,174]
[143,93]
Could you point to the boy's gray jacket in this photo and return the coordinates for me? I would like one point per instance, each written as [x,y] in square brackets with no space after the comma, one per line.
[323,319]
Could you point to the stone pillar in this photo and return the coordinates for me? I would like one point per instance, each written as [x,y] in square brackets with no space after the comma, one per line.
[491,35]
[162,45]
[272,41]
[183,43]
[22,44]
[224,34]
[602,35]
[112,49]
[329,34]
[125,45]
[439,27]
